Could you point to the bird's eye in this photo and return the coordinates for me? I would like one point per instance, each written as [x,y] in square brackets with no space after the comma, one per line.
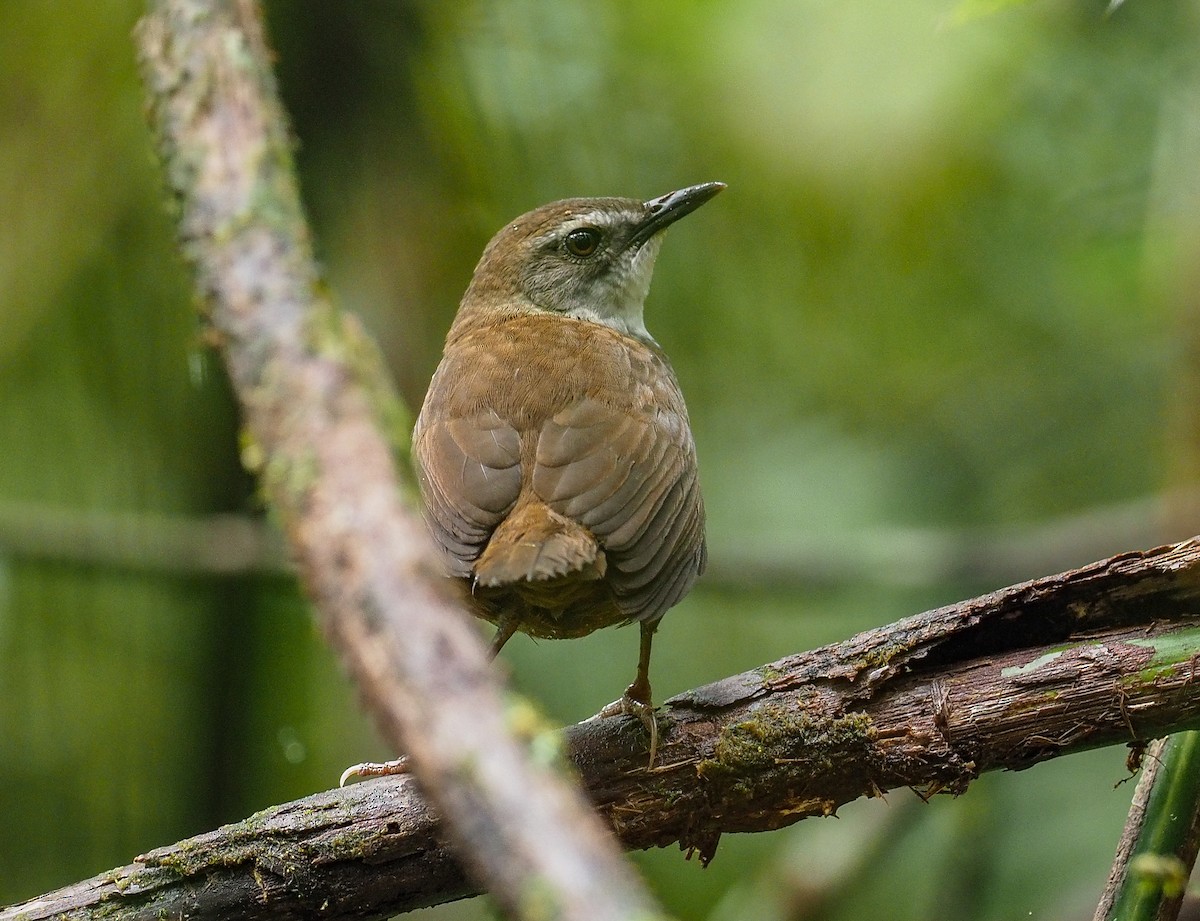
[583,242]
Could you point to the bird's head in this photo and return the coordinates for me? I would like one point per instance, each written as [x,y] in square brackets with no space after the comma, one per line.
[587,258]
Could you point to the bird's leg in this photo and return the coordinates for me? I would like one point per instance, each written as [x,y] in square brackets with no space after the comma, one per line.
[400,765]
[636,700]
[639,691]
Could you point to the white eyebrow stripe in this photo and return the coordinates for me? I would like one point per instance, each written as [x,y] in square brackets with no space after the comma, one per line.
[592,219]
[601,219]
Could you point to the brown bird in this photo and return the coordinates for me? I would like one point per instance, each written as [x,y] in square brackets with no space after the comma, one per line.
[553,450]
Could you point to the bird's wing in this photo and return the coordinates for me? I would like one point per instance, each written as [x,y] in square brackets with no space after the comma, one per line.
[470,473]
[628,474]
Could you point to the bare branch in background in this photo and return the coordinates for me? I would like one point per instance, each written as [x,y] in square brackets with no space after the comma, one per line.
[230,544]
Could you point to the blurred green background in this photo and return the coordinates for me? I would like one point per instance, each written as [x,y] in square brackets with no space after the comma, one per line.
[939,335]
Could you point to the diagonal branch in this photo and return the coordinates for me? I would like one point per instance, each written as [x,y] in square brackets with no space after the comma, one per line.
[1102,655]
[315,413]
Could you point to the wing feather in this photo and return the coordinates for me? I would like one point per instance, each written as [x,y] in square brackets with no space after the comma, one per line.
[629,475]
[470,472]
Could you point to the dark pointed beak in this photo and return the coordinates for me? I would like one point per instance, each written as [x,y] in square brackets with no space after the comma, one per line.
[665,210]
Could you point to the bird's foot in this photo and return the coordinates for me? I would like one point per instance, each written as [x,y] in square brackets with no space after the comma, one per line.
[644,711]
[374,769]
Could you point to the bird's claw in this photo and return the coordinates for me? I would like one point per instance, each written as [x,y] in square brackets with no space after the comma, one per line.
[375,769]
[644,711]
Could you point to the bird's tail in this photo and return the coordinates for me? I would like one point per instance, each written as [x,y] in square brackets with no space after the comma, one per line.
[535,543]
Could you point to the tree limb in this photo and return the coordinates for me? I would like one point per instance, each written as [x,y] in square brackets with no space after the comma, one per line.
[1097,656]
